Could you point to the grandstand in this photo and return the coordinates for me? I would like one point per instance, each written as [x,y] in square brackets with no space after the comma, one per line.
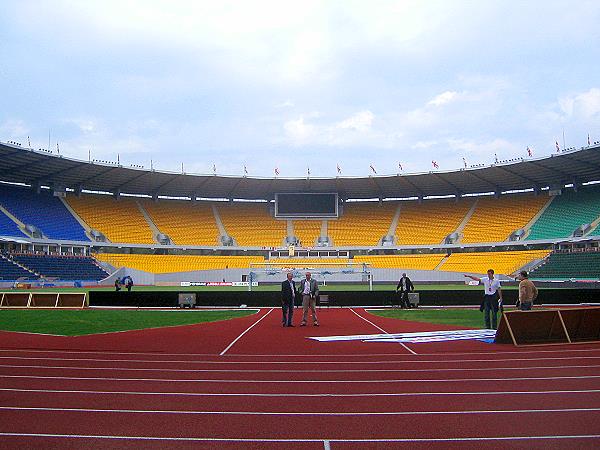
[560,266]
[185,223]
[495,219]
[463,228]
[362,224]
[177,263]
[121,221]
[251,225]
[567,213]
[43,211]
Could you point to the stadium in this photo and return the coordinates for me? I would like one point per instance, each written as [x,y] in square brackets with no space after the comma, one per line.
[299,225]
[71,228]
[73,223]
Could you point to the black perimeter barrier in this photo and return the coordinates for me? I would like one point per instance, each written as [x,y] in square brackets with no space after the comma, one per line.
[164,299]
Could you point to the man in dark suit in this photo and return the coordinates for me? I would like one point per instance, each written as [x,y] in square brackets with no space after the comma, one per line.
[403,288]
[288,295]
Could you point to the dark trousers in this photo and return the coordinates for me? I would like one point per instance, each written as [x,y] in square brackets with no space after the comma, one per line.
[404,303]
[490,308]
[287,307]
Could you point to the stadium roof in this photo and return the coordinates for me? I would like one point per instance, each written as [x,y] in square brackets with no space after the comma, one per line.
[43,168]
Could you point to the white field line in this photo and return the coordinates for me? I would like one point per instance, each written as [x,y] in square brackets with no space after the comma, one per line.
[356,355]
[232,381]
[284,440]
[381,329]
[160,369]
[301,413]
[303,362]
[244,332]
[285,395]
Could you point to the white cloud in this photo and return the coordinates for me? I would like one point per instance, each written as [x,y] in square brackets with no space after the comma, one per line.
[443,98]
[13,129]
[360,121]
[585,105]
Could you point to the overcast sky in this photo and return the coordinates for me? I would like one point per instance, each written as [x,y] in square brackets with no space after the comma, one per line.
[300,84]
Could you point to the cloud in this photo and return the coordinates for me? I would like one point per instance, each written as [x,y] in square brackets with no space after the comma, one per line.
[443,98]
[13,129]
[585,105]
[360,121]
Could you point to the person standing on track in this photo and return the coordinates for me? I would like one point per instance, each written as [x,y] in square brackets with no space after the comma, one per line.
[288,295]
[309,290]
[527,292]
[403,288]
[492,298]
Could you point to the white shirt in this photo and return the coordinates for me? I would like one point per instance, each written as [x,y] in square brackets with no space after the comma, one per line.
[292,288]
[306,287]
[491,286]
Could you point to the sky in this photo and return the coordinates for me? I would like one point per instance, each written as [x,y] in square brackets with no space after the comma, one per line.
[300,85]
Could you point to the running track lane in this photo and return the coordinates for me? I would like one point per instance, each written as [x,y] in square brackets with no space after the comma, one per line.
[417,424]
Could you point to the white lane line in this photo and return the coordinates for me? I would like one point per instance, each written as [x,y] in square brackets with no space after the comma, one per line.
[341,441]
[326,395]
[360,355]
[304,362]
[244,332]
[381,329]
[215,380]
[160,369]
[326,445]
[300,413]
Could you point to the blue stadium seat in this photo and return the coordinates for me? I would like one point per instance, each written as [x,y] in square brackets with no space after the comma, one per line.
[44,211]
[8,227]
[10,271]
[83,268]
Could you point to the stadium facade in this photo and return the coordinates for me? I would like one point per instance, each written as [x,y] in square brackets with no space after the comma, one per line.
[514,214]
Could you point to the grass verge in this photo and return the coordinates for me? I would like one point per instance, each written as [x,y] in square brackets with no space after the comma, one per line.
[469,318]
[91,321]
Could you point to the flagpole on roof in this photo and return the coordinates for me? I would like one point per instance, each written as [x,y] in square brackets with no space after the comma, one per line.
[564,143]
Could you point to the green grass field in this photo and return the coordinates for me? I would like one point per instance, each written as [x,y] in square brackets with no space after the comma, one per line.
[91,321]
[462,317]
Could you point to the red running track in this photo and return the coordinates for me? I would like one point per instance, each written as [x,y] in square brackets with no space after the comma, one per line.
[249,383]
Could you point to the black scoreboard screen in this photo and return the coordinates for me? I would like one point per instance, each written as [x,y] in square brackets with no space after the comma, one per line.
[306,205]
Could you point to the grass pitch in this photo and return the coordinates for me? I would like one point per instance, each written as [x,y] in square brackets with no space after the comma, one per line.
[461,317]
[92,321]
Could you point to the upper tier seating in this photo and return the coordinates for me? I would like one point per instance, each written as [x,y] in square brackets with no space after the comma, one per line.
[251,225]
[431,221]
[62,267]
[119,220]
[411,262]
[186,223]
[42,210]
[10,271]
[8,227]
[177,263]
[501,262]
[567,212]
[307,231]
[494,219]
[362,224]
[569,265]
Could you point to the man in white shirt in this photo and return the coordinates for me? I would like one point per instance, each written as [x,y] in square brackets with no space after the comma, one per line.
[309,290]
[492,298]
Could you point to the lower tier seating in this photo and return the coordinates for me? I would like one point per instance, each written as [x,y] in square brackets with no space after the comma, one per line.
[62,267]
[9,271]
[177,263]
[580,265]
[501,262]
